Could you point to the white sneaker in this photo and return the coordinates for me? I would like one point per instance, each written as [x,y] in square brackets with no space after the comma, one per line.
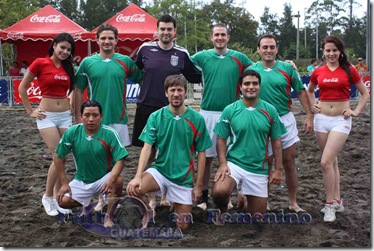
[338,207]
[329,213]
[49,205]
[230,205]
[60,209]
[203,206]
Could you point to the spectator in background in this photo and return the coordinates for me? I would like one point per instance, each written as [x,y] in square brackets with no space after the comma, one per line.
[14,71]
[361,66]
[314,64]
[24,68]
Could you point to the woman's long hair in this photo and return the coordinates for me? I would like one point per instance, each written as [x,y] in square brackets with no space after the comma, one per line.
[343,59]
[66,63]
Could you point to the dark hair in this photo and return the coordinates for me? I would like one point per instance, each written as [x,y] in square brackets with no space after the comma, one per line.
[25,62]
[222,26]
[343,59]
[313,60]
[91,103]
[267,36]
[175,80]
[107,27]
[250,73]
[66,63]
[167,19]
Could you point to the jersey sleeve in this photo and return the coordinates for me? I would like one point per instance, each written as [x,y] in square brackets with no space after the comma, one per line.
[36,67]
[277,127]
[66,143]
[190,71]
[202,141]
[296,83]
[134,73]
[222,127]
[149,133]
[118,150]
[246,61]
[139,59]
[81,76]
[196,59]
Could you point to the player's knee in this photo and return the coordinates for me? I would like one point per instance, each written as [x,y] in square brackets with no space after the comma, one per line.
[67,203]
[220,197]
[183,226]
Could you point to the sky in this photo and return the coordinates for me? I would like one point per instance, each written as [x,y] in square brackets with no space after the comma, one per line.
[256,8]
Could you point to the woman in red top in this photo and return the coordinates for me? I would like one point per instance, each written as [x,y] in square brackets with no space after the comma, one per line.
[333,115]
[53,116]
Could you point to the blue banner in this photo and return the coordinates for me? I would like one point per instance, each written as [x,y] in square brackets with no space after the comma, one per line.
[3,91]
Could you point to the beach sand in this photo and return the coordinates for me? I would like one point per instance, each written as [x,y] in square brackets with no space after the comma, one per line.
[24,163]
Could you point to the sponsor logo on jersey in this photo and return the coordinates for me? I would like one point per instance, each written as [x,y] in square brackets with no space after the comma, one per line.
[174,60]
[57,77]
[331,80]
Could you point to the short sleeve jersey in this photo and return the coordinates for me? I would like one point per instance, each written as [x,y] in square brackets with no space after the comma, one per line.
[220,77]
[94,156]
[157,64]
[334,85]
[249,129]
[176,139]
[53,81]
[276,84]
[106,83]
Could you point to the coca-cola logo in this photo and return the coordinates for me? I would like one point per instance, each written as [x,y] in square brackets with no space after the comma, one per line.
[45,19]
[15,35]
[330,80]
[33,91]
[77,36]
[57,77]
[136,18]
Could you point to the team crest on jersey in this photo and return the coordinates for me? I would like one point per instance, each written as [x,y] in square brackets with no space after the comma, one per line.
[174,60]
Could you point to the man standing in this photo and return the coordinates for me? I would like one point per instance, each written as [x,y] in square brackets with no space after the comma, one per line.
[159,60]
[221,68]
[177,133]
[248,120]
[277,79]
[99,158]
[104,74]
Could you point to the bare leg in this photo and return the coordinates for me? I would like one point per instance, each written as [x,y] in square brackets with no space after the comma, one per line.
[221,196]
[113,197]
[291,177]
[203,203]
[183,210]
[256,204]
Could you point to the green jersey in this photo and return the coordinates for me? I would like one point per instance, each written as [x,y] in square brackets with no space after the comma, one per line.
[106,83]
[94,156]
[220,77]
[276,83]
[177,139]
[249,129]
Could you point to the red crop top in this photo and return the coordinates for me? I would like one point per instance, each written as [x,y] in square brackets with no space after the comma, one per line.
[54,82]
[334,85]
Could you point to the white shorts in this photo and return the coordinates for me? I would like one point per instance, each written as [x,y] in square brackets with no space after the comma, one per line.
[123,132]
[211,118]
[324,123]
[252,183]
[291,136]
[55,119]
[174,193]
[83,192]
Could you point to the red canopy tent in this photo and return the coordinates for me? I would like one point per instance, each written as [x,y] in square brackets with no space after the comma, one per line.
[33,34]
[134,25]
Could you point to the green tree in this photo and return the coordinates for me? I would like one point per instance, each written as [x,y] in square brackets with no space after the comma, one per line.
[269,23]
[287,37]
